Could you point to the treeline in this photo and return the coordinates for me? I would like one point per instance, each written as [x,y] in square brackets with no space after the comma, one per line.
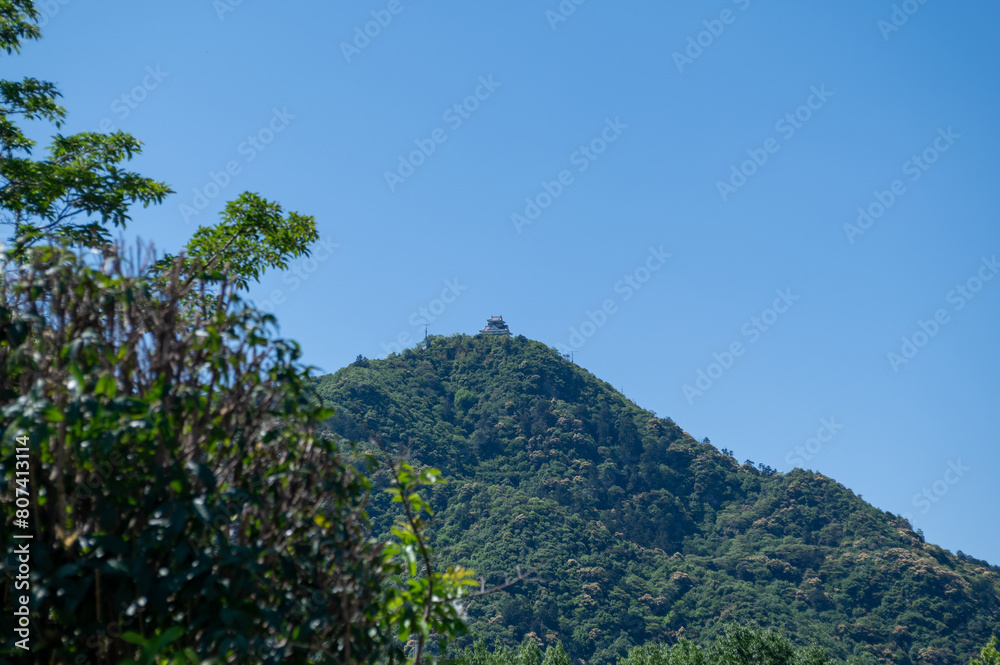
[740,645]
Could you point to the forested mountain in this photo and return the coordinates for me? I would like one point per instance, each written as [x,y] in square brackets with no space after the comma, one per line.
[639,532]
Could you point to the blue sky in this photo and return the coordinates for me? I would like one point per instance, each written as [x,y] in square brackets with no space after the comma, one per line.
[768,328]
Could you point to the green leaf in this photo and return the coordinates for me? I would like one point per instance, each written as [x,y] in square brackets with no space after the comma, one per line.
[173,634]
[107,385]
[53,414]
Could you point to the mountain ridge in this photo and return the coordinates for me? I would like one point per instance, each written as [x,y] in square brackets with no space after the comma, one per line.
[641,532]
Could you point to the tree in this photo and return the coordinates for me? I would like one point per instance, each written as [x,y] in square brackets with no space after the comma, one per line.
[180,476]
[81,189]
[254,234]
[989,654]
[185,503]
[629,440]
[185,494]
[485,441]
[556,655]
[18,21]
[750,645]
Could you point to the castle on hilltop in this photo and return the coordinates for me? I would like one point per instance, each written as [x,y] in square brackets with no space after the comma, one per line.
[495,326]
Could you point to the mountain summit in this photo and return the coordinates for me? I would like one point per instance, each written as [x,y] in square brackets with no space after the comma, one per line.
[640,532]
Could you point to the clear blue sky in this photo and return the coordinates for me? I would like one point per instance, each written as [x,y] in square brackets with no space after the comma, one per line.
[660,133]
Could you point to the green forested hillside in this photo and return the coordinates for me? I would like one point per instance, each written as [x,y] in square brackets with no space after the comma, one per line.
[639,532]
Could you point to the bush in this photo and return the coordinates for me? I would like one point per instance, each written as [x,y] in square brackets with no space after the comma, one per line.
[179,477]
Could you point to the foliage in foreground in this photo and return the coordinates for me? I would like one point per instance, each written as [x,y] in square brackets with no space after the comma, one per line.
[989,655]
[176,467]
[184,507]
[186,503]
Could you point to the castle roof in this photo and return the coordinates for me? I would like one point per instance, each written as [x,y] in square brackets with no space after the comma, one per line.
[495,325]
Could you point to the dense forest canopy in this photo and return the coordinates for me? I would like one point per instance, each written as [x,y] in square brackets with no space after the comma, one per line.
[640,532]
